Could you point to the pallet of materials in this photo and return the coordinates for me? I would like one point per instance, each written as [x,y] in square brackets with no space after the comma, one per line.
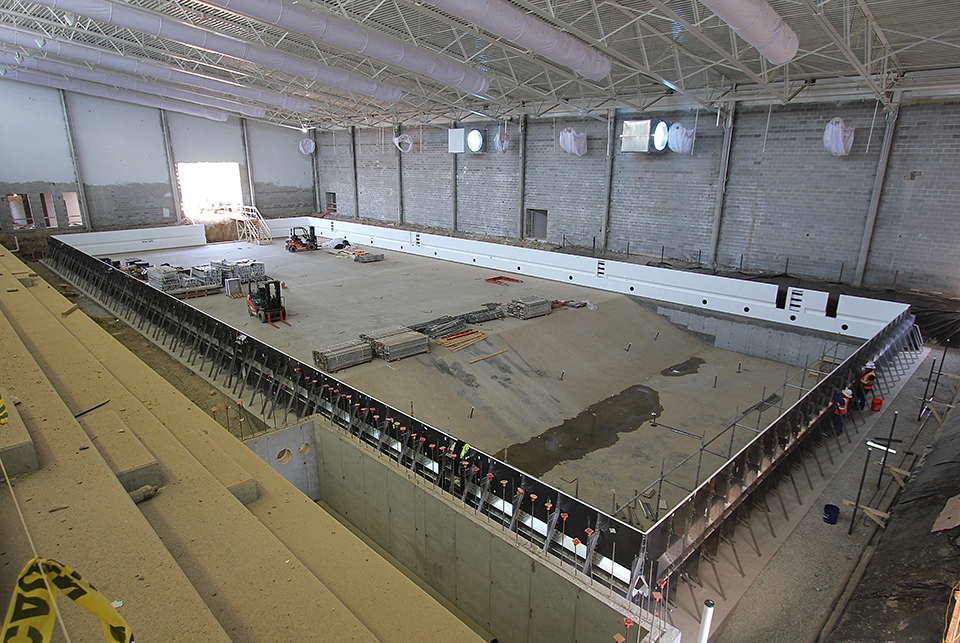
[529,307]
[344,355]
[246,270]
[366,257]
[439,326]
[480,316]
[207,274]
[403,345]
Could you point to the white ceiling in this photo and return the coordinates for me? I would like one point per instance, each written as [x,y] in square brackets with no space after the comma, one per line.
[666,53]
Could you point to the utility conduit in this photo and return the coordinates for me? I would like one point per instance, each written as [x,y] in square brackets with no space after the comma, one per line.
[166,27]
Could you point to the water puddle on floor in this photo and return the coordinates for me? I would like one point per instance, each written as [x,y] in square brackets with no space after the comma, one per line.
[688,367]
[596,427]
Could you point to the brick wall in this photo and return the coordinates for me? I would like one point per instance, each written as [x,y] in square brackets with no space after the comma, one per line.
[488,185]
[568,187]
[377,174]
[916,235]
[666,200]
[335,163]
[790,199]
[428,179]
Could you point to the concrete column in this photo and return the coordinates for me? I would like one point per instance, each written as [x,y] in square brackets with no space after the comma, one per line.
[353,161]
[522,145]
[315,167]
[396,133]
[249,161]
[171,166]
[608,179]
[722,176]
[453,186]
[892,116]
[81,193]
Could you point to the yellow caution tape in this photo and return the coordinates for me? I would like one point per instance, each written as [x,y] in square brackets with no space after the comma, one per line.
[31,616]
[3,411]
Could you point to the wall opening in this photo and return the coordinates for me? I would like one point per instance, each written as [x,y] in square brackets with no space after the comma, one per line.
[20,213]
[72,205]
[206,186]
[331,201]
[49,212]
[536,225]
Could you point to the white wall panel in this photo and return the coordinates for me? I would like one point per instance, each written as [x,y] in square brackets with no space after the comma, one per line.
[100,244]
[275,156]
[198,140]
[117,143]
[33,135]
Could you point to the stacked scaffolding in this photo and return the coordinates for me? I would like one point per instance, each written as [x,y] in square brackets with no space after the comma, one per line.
[245,270]
[529,307]
[376,335]
[485,314]
[402,345]
[440,326]
[164,278]
[344,355]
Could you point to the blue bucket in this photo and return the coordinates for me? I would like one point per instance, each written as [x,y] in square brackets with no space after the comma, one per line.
[830,514]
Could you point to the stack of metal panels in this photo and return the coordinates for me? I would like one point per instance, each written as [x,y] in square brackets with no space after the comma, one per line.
[343,355]
[209,275]
[529,307]
[439,327]
[377,335]
[163,278]
[367,257]
[403,345]
[245,270]
[190,282]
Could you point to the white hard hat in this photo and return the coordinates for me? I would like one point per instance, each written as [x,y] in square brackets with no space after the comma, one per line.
[847,392]
[870,364]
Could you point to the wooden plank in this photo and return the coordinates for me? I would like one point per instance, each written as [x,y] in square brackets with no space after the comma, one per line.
[69,310]
[480,359]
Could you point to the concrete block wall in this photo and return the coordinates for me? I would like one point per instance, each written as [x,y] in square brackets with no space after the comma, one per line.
[335,160]
[788,198]
[568,187]
[916,237]
[507,589]
[428,178]
[666,201]
[377,180]
[488,185]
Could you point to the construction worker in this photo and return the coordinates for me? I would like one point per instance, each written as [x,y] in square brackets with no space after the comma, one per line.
[868,378]
[841,402]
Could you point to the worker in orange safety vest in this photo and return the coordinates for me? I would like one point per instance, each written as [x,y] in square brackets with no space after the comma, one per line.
[868,378]
[841,402]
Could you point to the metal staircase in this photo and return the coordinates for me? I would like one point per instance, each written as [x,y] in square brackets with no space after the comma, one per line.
[251,226]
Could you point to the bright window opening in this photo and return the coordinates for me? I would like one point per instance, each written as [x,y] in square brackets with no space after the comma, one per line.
[49,211]
[206,188]
[72,205]
[20,213]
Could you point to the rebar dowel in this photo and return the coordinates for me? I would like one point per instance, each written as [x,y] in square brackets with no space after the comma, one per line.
[703,439]
[923,400]
[656,514]
[883,460]
[856,504]
[936,382]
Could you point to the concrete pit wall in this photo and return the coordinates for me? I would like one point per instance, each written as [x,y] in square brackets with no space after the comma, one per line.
[504,585]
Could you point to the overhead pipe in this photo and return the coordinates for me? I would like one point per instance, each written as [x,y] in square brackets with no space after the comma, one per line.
[360,39]
[37,41]
[164,26]
[529,32]
[760,25]
[135,98]
[81,73]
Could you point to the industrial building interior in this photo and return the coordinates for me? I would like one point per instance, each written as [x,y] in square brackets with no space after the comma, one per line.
[504,320]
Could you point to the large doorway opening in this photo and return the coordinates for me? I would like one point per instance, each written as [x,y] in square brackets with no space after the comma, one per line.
[536,225]
[204,187]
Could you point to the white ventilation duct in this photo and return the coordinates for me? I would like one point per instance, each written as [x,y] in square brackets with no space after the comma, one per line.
[171,29]
[756,22]
[81,73]
[355,37]
[529,32]
[135,98]
[131,65]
